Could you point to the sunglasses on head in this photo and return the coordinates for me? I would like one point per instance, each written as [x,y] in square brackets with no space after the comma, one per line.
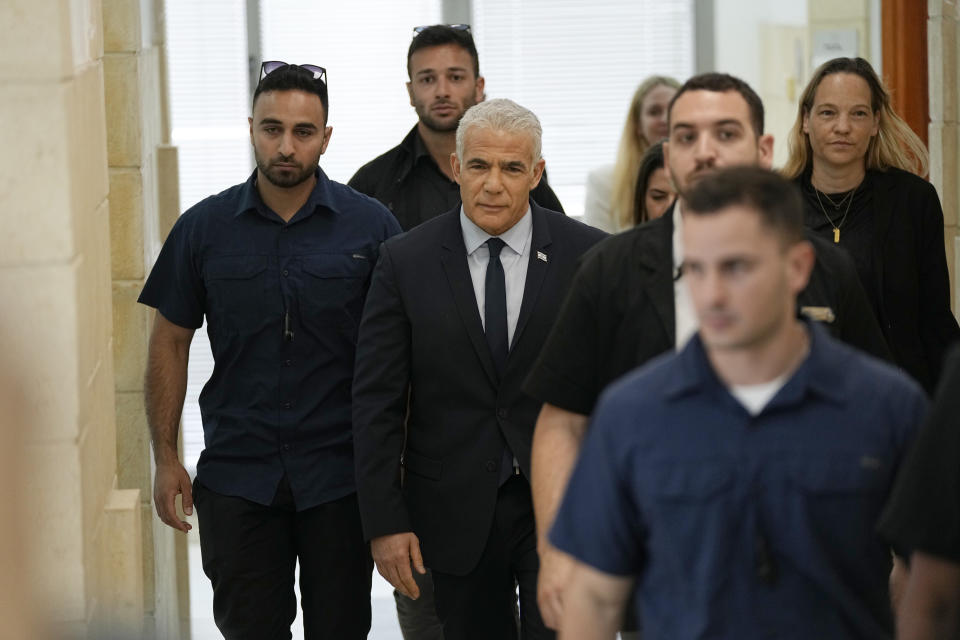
[268,67]
[455,27]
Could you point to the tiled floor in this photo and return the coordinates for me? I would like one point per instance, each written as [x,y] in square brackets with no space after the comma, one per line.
[384,625]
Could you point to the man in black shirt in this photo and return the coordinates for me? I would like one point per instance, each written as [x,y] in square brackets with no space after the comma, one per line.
[415,179]
[923,518]
[627,304]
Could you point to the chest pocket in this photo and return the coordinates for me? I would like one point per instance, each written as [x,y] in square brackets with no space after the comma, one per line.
[689,483]
[237,289]
[331,294]
[844,491]
[690,511]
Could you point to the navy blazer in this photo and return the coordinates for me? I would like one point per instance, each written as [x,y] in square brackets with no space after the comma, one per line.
[426,393]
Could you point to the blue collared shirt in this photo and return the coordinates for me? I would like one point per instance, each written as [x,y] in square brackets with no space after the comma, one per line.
[283,304]
[740,526]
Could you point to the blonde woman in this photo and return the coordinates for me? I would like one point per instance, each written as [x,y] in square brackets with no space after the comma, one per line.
[858,165]
[611,189]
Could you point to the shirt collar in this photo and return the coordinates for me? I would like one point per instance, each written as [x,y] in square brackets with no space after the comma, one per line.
[415,150]
[419,148]
[817,374]
[516,237]
[250,199]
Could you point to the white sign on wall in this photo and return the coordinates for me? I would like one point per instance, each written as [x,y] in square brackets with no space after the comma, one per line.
[833,43]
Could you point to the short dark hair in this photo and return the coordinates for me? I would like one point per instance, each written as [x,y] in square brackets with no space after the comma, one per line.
[721,83]
[294,78]
[775,199]
[441,34]
[651,161]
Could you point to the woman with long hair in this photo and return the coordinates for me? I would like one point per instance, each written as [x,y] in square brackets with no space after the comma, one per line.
[611,189]
[859,166]
[655,192]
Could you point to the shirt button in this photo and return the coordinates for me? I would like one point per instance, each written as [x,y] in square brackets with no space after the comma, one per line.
[502,413]
[286,447]
[287,405]
[285,273]
[491,465]
[287,363]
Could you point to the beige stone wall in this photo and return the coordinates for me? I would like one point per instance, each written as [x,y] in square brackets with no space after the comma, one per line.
[86,184]
[55,292]
[142,172]
[944,70]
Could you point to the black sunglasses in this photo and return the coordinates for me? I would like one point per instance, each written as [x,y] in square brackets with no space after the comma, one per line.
[268,67]
[455,27]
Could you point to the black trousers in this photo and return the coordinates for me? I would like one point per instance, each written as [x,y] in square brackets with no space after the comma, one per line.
[250,551]
[481,604]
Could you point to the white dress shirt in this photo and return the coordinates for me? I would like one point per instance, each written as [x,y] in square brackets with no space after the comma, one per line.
[515,257]
[684,313]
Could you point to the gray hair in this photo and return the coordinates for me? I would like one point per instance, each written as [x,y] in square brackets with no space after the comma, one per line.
[501,115]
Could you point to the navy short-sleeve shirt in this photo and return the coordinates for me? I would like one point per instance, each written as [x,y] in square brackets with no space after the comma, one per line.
[282,302]
[738,525]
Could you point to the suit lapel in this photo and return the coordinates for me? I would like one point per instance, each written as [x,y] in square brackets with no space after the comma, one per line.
[539,263]
[655,256]
[454,259]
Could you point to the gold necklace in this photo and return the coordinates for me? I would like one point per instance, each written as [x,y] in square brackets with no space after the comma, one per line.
[836,227]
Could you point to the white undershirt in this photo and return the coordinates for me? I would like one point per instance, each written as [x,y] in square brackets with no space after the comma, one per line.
[685,317]
[754,397]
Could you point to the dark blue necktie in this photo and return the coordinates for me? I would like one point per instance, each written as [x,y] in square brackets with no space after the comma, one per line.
[495,306]
[495,327]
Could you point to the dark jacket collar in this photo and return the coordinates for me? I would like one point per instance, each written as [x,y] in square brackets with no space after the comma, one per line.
[654,241]
[413,150]
[653,252]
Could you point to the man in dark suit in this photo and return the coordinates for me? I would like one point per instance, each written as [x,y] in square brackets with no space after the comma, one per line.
[457,312]
[627,304]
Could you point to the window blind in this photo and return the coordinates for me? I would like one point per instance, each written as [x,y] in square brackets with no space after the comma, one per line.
[576,65]
[363,45]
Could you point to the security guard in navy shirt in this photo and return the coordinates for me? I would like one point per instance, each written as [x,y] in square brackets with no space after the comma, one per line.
[739,480]
[279,265]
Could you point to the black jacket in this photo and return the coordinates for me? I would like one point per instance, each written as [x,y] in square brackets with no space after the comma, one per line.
[913,282]
[620,313]
[423,362]
[390,178]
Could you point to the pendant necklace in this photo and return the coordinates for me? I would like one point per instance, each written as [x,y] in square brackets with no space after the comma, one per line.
[837,205]
[836,227]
